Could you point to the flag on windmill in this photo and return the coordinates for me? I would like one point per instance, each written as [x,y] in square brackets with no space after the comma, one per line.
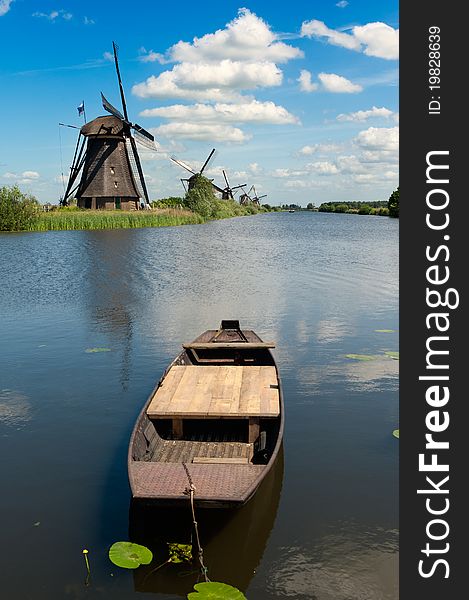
[81,108]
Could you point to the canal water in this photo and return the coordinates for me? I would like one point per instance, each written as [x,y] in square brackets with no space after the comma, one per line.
[90,319]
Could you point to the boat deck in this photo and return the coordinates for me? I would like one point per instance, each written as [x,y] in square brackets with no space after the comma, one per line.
[170,451]
[203,391]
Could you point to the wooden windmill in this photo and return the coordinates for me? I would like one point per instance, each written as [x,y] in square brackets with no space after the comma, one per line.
[247,198]
[227,193]
[191,181]
[110,168]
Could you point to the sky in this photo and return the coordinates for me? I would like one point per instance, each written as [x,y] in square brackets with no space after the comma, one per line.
[299,98]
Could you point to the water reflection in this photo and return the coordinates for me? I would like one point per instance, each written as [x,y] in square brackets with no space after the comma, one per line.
[15,408]
[347,563]
[233,540]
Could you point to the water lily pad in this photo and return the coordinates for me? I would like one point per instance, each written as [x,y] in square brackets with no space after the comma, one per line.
[179,553]
[396,433]
[213,590]
[92,350]
[129,555]
[361,356]
[385,330]
[392,354]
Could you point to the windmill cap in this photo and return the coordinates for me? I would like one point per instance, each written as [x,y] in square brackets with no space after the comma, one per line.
[106,126]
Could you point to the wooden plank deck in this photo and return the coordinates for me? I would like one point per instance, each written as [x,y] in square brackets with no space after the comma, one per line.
[206,391]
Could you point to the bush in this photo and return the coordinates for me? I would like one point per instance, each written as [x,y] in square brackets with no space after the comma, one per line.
[200,198]
[365,209]
[17,210]
[171,202]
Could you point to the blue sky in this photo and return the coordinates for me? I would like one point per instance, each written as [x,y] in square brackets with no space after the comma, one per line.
[298,98]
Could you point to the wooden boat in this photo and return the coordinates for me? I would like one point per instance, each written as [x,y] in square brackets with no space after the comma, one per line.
[215,419]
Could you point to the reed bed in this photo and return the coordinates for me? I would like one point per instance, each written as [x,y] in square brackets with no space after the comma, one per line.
[115,219]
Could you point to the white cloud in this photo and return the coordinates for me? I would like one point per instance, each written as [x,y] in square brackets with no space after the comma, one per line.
[363,115]
[54,14]
[23,177]
[88,21]
[373,39]
[5,6]
[306,85]
[338,84]
[202,131]
[379,138]
[255,168]
[318,29]
[319,148]
[150,56]
[247,112]
[210,82]
[108,56]
[330,82]
[342,4]
[379,40]
[323,168]
[246,38]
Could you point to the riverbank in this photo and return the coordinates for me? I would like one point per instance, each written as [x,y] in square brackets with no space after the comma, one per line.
[59,220]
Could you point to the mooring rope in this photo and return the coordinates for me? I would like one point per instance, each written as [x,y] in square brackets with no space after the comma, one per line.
[190,491]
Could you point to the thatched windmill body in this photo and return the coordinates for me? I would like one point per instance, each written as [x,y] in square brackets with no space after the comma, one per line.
[108,170]
[191,181]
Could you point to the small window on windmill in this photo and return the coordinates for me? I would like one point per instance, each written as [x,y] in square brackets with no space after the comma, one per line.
[115,184]
[112,171]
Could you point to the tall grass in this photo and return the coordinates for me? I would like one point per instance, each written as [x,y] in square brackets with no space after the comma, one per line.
[112,219]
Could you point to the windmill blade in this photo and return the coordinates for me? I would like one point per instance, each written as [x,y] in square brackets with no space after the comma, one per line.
[181,164]
[207,161]
[217,188]
[226,179]
[143,137]
[239,186]
[110,109]
[121,88]
[264,196]
[250,189]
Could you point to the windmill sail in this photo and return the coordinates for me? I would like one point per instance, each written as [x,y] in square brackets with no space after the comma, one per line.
[111,109]
[134,168]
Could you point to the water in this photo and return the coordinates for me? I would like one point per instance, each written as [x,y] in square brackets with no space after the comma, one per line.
[323,526]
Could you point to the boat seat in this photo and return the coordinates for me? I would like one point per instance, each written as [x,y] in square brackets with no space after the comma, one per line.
[206,460]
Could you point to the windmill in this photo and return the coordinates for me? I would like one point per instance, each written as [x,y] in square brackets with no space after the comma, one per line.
[247,198]
[192,180]
[227,193]
[111,172]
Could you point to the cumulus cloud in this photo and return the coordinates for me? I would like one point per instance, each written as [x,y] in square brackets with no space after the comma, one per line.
[322,168]
[24,177]
[246,38]
[329,82]
[202,131]
[342,4]
[5,6]
[379,138]
[338,84]
[319,148]
[363,115]
[218,71]
[379,40]
[373,39]
[306,85]
[247,112]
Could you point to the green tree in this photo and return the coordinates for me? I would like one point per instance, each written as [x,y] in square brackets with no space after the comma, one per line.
[201,198]
[17,210]
[393,204]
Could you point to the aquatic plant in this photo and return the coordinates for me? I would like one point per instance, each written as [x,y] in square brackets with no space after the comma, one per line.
[213,590]
[129,555]
[396,433]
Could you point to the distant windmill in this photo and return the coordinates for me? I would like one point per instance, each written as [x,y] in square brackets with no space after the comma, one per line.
[111,172]
[192,180]
[247,198]
[227,193]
